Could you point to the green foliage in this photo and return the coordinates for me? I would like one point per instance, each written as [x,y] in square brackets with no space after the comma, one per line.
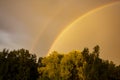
[77,65]
[18,65]
[50,67]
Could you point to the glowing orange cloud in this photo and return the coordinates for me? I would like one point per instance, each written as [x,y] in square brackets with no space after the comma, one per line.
[79,19]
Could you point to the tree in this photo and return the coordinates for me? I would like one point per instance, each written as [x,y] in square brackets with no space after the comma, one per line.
[50,68]
[18,65]
[77,65]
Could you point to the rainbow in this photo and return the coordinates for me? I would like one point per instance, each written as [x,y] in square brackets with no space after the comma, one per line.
[71,24]
[79,19]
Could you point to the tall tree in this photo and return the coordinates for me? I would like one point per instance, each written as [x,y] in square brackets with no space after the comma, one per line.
[18,65]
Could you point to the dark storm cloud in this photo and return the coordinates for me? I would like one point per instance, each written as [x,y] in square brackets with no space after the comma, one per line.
[13,33]
[4,39]
[3,27]
[27,20]
[6,23]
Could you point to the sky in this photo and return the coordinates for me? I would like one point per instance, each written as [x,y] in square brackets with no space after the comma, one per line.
[98,27]
[36,24]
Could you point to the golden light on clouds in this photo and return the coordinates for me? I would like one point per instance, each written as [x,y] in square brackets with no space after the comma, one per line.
[99,26]
[36,24]
[67,12]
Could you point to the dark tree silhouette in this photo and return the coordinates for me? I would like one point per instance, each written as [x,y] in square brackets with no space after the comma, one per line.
[75,65]
[18,65]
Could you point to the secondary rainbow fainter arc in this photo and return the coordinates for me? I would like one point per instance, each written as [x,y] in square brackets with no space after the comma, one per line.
[78,19]
[39,35]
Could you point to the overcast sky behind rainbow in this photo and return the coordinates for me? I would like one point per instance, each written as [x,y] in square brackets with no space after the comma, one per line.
[43,26]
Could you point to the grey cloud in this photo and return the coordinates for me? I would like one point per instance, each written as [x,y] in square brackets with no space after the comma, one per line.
[24,20]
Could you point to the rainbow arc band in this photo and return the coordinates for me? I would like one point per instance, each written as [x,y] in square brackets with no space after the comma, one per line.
[80,18]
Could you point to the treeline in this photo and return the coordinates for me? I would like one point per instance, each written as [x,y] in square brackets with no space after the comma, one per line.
[18,65]
[75,65]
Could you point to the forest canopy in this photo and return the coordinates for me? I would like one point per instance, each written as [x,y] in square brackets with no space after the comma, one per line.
[75,65]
